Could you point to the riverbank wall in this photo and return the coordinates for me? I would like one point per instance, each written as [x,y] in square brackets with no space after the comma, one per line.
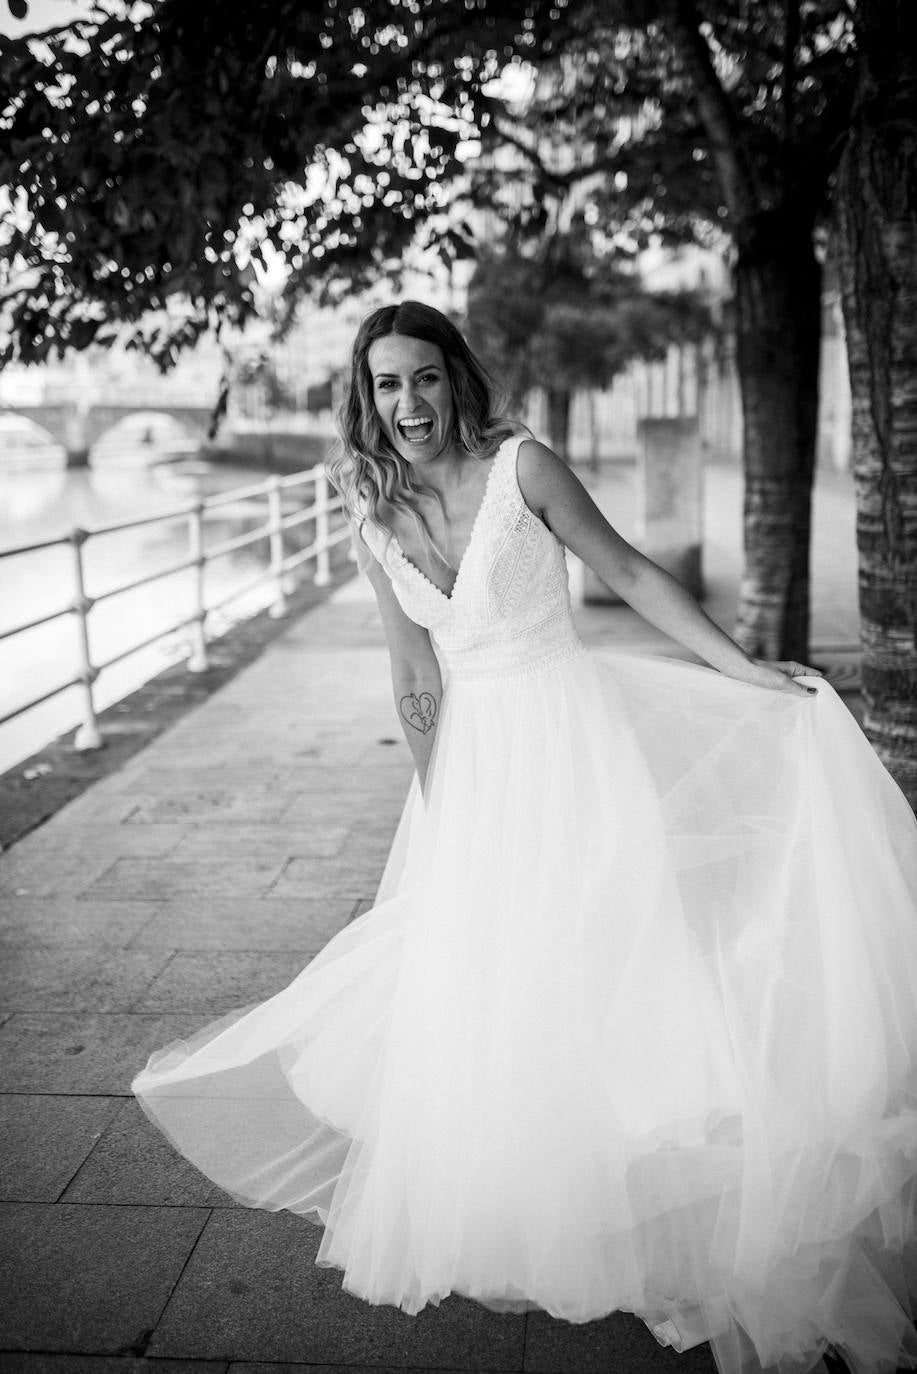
[275,450]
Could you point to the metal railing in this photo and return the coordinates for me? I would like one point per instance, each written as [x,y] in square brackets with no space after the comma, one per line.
[326,534]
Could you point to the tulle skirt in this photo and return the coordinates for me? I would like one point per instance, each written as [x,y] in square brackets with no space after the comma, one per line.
[632,1026]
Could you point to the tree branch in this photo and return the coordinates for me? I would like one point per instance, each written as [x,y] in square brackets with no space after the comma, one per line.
[562,180]
[737,175]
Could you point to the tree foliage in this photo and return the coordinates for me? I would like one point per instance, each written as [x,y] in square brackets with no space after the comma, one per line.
[559,316]
[158,159]
[562,318]
[154,158]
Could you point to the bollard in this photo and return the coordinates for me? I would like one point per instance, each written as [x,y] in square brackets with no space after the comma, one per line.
[669,523]
[198,661]
[668,526]
[88,735]
[278,607]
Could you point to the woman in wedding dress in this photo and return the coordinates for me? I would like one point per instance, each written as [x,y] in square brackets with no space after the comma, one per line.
[633,1022]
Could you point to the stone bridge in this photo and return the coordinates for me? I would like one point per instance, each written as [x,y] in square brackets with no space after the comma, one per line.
[79,427]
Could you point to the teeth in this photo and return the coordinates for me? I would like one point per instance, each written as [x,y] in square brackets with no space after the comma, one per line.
[416,429]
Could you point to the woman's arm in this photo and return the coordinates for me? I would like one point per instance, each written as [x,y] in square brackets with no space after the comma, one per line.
[416,679]
[557,496]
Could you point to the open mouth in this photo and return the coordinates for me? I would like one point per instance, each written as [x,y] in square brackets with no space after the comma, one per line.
[415,431]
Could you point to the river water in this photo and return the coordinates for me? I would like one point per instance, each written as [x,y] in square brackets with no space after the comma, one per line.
[40,499]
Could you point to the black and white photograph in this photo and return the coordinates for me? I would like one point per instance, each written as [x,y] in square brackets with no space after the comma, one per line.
[458,686]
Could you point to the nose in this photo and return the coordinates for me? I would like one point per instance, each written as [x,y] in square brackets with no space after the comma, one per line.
[409,396]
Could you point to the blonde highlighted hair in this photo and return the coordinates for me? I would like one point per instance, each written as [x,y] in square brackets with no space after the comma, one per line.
[365,467]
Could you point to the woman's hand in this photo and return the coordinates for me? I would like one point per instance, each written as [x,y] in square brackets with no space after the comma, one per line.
[780,676]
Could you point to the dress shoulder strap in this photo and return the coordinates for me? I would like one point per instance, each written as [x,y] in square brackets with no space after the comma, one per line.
[505,480]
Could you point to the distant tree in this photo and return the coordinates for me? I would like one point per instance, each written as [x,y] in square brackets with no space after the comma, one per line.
[560,318]
[877,233]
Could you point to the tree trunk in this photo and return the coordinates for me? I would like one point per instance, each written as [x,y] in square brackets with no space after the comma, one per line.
[877,233]
[778,330]
[559,421]
[594,463]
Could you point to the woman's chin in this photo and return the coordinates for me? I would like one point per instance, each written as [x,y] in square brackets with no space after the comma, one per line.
[420,453]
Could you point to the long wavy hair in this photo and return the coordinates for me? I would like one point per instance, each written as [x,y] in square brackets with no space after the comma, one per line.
[365,467]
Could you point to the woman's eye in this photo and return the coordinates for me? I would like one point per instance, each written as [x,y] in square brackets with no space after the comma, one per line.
[428,377]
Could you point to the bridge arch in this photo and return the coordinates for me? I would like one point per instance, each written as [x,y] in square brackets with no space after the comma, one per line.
[78,428]
[48,422]
[103,421]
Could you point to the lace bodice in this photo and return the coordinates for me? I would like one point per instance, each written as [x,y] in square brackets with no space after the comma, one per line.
[509,609]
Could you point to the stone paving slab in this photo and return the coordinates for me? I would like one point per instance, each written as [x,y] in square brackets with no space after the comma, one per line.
[158,880]
[252,1290]
[263,842]
[238,801]
[89,1279]
[101,840]
[33,979]
[262,1367]
[215,982]
[34,875]
[83,1053]
[227,923]
[63,921]
[361,786]
[132,1163]
[312,879]
[107,1364]
[102,804]
[68,1129]
[620,1342]
[382,806]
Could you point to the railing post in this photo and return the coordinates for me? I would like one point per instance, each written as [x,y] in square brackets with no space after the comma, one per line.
[198,662]
[278,607]
[322,561]
[88,735]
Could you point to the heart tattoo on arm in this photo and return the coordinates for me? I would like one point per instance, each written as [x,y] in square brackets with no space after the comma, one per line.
[419,711]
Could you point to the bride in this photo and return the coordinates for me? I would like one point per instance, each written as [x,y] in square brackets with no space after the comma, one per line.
[633,1022]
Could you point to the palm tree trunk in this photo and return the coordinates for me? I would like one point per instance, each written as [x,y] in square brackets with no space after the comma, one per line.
[778,329]
[877,233]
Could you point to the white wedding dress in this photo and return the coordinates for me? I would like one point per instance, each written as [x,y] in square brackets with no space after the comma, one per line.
[633,1022]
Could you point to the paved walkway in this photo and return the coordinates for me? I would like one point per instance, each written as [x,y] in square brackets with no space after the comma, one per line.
[201,877]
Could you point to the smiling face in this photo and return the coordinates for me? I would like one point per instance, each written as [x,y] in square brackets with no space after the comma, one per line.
[412,396]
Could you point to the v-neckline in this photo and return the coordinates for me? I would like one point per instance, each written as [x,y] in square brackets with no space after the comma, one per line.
[450,595]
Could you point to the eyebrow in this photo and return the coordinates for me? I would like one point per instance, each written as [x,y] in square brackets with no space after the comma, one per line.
[428,367]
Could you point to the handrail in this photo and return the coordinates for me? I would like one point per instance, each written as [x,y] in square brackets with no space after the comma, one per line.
[324,505]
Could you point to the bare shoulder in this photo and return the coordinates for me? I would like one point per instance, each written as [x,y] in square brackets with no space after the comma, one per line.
[543,477]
